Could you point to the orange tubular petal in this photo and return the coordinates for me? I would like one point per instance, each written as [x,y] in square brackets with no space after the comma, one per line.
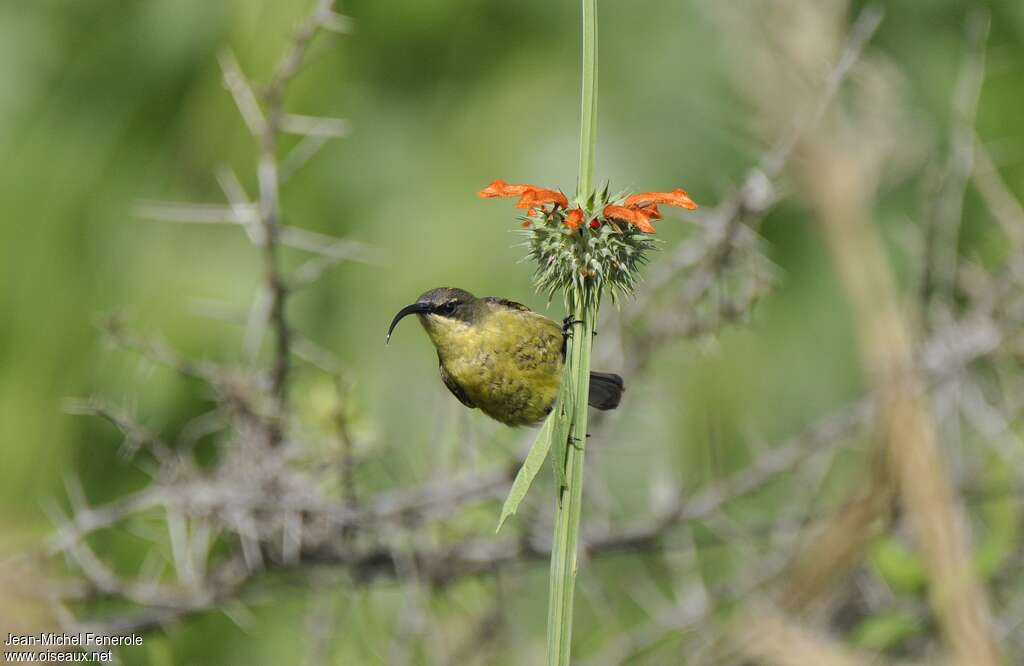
[574,219]
[645,226]
[528,200]
[500,188]
[634,216]
[677,197]
[538,196]
[652,211]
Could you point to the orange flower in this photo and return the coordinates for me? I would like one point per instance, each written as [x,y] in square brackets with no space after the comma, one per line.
[500,188]
[538,196]
[677,197]
[638,217]
[530,196]
[652,211]
[640,209]
[637,209]
[574,218]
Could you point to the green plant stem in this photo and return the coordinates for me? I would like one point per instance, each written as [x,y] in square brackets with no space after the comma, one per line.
[588,102]
[565,544]
[583,304]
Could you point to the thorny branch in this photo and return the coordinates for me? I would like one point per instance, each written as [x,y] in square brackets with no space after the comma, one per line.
[218,501]
[265,116]
[729,231]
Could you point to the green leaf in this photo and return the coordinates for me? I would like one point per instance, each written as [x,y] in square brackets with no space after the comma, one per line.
[562,419]
[524,478]
[1000,515]
[901,569]
[560,433]
[887,630]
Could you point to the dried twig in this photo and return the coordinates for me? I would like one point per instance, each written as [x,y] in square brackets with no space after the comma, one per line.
[842,195]
[940,265]
[772,639]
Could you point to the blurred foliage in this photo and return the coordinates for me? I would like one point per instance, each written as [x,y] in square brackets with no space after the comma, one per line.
[109,101]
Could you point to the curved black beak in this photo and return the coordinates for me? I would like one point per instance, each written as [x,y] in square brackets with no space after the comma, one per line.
[415,308]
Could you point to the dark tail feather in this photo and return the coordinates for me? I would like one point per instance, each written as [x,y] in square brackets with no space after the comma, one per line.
[605,390]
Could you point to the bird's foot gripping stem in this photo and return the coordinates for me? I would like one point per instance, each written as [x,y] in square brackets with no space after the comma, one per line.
[567,325]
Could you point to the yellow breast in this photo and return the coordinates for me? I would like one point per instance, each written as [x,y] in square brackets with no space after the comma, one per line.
[508,362]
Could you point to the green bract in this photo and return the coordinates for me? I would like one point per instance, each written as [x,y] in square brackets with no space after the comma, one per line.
[607,257]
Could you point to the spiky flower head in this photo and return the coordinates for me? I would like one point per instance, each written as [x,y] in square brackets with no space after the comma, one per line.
[593,245]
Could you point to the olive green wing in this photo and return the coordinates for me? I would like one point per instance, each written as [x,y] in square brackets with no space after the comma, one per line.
[454,387]
[563,328]
[504,302]
[512,305]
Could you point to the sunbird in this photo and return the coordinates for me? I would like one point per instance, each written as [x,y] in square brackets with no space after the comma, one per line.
[500,356]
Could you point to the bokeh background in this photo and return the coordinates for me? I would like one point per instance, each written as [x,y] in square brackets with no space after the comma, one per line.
[109,102]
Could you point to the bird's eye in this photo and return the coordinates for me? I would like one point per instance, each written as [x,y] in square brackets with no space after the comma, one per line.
[447,309]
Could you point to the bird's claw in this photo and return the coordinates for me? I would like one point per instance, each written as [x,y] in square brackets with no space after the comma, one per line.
[567,325]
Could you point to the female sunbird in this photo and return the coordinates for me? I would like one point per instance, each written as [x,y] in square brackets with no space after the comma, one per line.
[500,356]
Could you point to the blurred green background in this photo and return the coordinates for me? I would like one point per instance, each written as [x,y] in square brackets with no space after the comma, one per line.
[110,101]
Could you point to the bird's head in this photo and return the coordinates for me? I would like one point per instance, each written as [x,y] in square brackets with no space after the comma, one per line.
[442,311]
